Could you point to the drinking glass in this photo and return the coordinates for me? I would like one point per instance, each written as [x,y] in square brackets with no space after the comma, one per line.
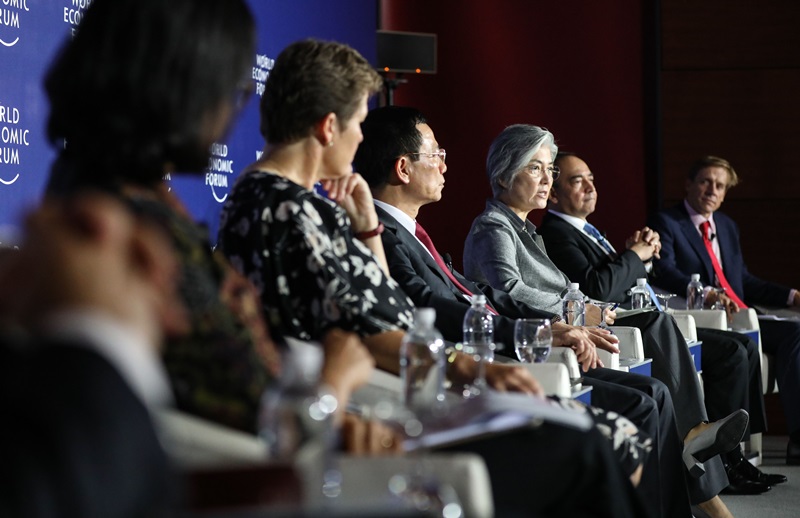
[605,307]
[664,300]
[533,339]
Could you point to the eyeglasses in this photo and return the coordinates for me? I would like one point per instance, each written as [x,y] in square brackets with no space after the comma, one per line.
[538,170]
[442,154]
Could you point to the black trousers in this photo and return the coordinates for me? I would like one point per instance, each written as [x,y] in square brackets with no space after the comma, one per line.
[732,376]
[783,340]
[672,364]
[555,471]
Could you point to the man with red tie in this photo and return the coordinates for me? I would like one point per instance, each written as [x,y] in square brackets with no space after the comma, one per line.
[697,238]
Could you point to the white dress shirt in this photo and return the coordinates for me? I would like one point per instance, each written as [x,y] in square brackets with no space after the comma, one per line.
[406,221]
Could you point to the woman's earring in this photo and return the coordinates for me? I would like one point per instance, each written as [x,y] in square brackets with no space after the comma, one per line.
[330,144]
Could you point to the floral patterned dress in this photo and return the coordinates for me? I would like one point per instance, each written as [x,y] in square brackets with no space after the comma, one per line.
[299,250]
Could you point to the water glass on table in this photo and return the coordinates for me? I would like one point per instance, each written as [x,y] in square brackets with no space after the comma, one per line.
[663,299]
[533,339]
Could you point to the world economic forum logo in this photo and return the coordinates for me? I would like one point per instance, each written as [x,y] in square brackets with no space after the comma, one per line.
[14,136]
[219,171]
[10,21]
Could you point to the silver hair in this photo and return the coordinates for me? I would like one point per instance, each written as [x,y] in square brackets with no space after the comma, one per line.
[512,150]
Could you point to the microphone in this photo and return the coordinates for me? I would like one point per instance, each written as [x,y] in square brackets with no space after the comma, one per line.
[448,261]
[711,237]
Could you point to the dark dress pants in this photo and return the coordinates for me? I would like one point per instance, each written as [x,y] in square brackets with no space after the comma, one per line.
[782,339]
[672,364]
[555,471]
[732,376]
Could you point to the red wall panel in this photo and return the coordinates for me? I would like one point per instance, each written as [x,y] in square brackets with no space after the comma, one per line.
[572,66]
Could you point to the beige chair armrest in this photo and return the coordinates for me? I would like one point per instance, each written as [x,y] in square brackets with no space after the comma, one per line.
[192,442]
[365,481]
[553,377]
[687,325]
[610,360]
[630,342]
[710,318]
[566,357]
[745,319]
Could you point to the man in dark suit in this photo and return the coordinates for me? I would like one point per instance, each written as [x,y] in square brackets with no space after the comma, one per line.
[81,368]
[586,257]
[404,166]
[697,238]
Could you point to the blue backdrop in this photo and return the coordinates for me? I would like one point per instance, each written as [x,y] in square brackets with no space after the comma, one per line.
[31,32]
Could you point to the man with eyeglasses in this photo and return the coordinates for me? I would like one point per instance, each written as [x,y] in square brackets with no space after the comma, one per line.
[698,238]
[731,364]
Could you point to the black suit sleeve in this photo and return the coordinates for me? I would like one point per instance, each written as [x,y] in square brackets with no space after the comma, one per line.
[75,440]
[449,312]
[428,290]
[600,276]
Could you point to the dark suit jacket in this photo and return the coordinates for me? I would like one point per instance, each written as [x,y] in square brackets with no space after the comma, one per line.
[75,440]
[428,286]
[683,253]
[602,277]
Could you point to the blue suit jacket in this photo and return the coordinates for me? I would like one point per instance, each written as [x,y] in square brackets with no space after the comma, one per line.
[683,253]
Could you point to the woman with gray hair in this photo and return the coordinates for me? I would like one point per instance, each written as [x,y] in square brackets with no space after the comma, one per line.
[502,248]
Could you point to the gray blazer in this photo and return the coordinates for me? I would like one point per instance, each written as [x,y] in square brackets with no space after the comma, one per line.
[505,252]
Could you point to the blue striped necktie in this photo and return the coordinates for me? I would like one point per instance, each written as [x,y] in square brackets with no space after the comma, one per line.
[592,231]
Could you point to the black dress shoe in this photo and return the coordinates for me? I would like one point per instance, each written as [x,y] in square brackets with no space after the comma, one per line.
[739,484]
[793,454]
[754,474]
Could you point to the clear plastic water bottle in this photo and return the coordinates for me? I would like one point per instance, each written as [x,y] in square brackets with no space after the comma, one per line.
[573,306]
[640,297]
[694,293]
[296,421]
[422,362]
[478,341]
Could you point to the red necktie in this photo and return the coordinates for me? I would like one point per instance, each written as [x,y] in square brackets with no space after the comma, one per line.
[705,227]
[426,240]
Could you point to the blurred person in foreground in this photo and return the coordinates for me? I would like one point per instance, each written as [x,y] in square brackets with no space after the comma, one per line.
[79,365]
[133,113]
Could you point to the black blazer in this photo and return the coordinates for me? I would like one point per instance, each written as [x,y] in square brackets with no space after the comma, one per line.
[75,440]
[602,277]
[428,286]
